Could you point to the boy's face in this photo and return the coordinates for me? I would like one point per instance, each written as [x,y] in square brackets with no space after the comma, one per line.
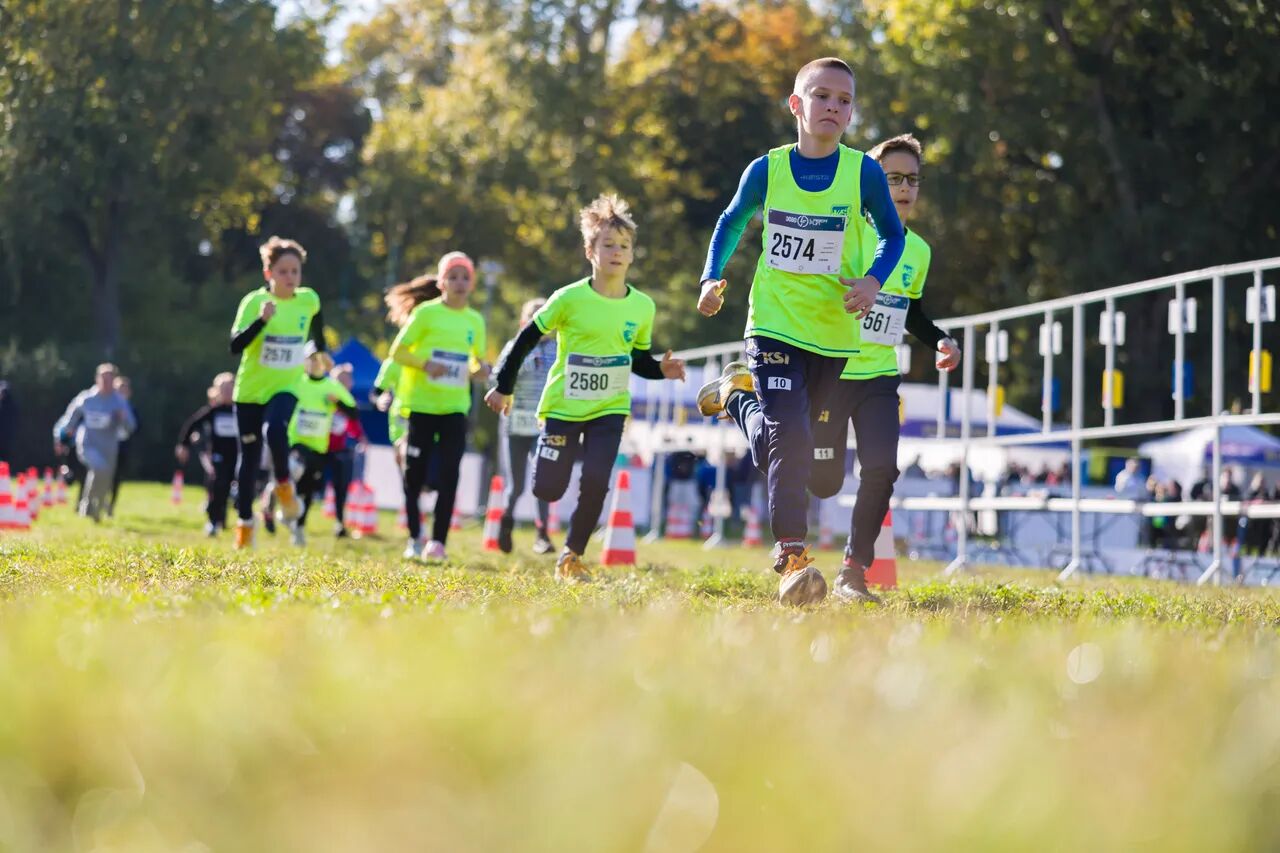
[106,382]
[824,106]
[457,282]
[900,169]
[224,388]
[286,274]
[612,252]
[316,368]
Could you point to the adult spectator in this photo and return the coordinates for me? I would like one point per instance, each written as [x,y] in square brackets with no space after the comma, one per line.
[94,422]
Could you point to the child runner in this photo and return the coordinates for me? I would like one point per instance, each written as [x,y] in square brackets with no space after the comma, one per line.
[319,397]
[271,329]
[346,439]
[805,299]
[125,389]
[215,426]
[440,347]
[603,330]
[518,430]
[869,396]
[95,420]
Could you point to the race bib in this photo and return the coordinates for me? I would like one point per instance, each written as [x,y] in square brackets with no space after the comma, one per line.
[522,423]
[457,368]
[97,420]
[803,243]
[281,351]
[312,424]
[224,426]
[886,320]
[596,377]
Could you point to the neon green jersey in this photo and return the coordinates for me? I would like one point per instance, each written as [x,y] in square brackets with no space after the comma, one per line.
[389,380]
[312,418]
[450,337]
[885,323]
[595,334]
[809,242]
[272,362]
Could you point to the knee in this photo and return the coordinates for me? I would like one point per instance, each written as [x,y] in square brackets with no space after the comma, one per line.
[825,483]
[880,475]
[549,489]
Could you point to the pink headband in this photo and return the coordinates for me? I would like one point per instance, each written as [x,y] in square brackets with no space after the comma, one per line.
[456,259]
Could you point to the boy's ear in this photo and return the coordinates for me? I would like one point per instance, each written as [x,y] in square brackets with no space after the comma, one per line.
[795,104]
[266,274]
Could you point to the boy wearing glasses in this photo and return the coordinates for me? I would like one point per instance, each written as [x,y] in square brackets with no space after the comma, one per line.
[868,394]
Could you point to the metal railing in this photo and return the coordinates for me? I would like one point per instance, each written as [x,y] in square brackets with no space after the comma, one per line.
[669,401]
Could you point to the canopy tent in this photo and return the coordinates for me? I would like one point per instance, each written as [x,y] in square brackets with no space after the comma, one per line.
[1186,456]
[364,369]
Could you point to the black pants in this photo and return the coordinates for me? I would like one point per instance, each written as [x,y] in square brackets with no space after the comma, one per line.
[218,486]
[871,406]
[310,482]
[435,443]
[519,449]
[341,465]
[792,386]
[256,421]
[122,459]
[595,443]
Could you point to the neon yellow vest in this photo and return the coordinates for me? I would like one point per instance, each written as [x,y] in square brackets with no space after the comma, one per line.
[907,279]
[814,231]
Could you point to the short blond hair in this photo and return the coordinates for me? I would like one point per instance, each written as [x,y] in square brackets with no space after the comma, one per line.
[607,212]
[277,247]
[106,367]
[802,75]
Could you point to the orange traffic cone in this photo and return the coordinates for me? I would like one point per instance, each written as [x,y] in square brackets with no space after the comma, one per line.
[368,511]
[7,518]
[826,538]
[493,515]
[553,519]
[679,525]
[33,494]
[50,497]
[752,537]
[620,532]
[175,495]
[21,511]
[330,502]
[455,523]
[62,491]
[883,571]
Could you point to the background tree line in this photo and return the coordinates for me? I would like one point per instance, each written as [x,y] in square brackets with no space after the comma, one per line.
[147,146]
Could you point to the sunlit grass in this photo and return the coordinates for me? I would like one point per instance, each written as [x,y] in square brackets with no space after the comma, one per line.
[161,692]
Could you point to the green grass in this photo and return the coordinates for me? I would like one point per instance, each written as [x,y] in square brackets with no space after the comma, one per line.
[160,692]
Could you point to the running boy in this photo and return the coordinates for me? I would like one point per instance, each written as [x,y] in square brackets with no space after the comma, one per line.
[603,329]
[439,348]
[805,301]
[319,397]
[94,421]
[869,394]
[271,329]
[215,426]
[518,430]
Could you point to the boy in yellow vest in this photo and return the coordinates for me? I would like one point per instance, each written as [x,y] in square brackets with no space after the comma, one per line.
[807,296]
[868,396]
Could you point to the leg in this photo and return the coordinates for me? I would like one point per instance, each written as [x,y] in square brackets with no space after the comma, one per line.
[600,440]
[875,429]
[342,464]
[452,430]
[122,458]
[249,424]
[98,485]
[557,449]
[420,441]
[312,480]
[278,412]
[829,398]
[224,467]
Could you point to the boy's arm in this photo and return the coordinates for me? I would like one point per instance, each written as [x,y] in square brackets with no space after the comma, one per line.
[733,221]
[877,201]
[193,424]
[316,332]
[513,355]
[69,421]
[923,328]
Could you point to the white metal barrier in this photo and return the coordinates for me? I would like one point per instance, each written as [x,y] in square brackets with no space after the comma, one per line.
[670,411]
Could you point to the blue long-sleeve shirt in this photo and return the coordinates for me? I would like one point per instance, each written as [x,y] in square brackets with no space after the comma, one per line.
[813,175]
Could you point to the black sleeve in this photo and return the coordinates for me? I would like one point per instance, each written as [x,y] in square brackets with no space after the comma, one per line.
[242,339]
[352,411]
[317,330]
[644,365]
[197,420]
[919,324]
[514,355]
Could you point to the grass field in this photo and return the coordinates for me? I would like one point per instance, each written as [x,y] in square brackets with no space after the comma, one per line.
[159,692]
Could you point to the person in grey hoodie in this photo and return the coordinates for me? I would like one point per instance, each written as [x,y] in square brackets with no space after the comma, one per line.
[95,421]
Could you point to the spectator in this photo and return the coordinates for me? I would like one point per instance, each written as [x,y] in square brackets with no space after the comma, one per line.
[1258,531]
[1129,482]
[914,469]
[1230,492]
[8,421]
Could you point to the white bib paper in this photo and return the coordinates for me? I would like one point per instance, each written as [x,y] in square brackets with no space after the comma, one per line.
[281,351]
[97,420]
[803,243]
[457,368]
[596,377]
[312,424]
[224,425]
[522,423]
[886,321]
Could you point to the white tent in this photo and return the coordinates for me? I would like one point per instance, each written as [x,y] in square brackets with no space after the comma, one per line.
[1185,456]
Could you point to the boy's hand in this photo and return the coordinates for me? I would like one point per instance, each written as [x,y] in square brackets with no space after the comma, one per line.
[59,448]
[499,402]
[181,454]
[268,311]
[331,399]
[672,368]
[482,372]
[948,355]
[434,369]
[861,294]
[712,298]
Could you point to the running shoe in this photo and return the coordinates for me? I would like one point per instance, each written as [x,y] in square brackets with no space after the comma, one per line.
[571,569]
[800,583]
[713,396]
[851,584]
